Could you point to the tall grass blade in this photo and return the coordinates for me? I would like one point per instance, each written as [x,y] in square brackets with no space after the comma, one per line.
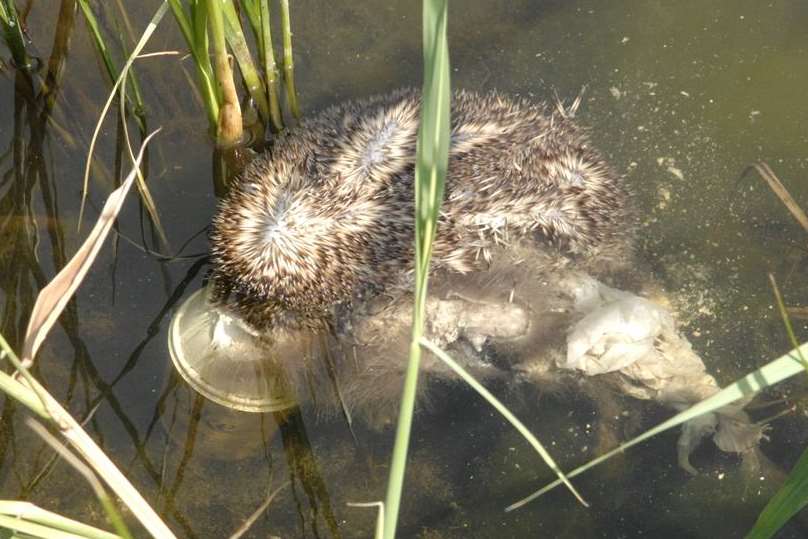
[143,188]
[288,61]
[194,30]
[135,107]
[772,373]
[506,413]
[788,501]
[432,156]
[137,97]
[781,306]
[28,512]
[54,297]
[16,390]
[270,67]
[33,530]
[253,12]
[155,20]
[793,495]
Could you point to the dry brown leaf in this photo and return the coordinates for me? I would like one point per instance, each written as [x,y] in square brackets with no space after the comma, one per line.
[52,299]
[782,193]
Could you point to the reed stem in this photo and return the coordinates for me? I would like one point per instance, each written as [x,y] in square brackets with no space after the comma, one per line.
[270,67]
[229,128]
[135,107]
[13,36]
[196,37]
[432,155]
[288,62]
[235,38]
[250,8]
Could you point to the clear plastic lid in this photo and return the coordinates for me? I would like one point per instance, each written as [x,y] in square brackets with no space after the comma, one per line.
[222,359]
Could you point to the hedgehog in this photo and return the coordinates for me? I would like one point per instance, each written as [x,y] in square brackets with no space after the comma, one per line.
[326,220]
[319,235]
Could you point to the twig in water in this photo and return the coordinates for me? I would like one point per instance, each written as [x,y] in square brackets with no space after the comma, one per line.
[258,512]
[780,190]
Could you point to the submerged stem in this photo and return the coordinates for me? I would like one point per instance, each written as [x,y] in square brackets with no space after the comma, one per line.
[13,36]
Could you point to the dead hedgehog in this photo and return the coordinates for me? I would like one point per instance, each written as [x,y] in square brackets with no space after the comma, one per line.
[319,235]
[327,219]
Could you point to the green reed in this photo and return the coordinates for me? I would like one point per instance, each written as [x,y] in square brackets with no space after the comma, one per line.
[133,102]
[12,34]
[250,74]
[257,12]
[193,23]
[793,495]
[196,18]
[432,157]
[134,98]
[288,63]
[32,521]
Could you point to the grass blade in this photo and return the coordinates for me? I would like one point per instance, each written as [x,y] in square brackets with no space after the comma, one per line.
[113,515]
[29,512]
[31,529]
[235,38]
[244,528]
[53,298]
[793,495]
[502,409]
[253,12]
[288,61]
[199,50]
[20,393]
[432,156]
[270,67]
[142,186]
[136,108]
[788,501]
[772,373]
[155,20]
[780,190]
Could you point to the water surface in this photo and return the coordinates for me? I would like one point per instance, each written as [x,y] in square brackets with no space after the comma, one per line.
[681,97]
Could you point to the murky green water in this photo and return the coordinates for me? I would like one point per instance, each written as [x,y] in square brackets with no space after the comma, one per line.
[680,96]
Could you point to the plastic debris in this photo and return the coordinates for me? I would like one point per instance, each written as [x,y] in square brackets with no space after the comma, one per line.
[626,334]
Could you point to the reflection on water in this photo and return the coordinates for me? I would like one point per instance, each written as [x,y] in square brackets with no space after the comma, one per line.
[680,99]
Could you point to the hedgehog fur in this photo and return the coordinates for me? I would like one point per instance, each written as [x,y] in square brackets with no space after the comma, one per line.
[328,218]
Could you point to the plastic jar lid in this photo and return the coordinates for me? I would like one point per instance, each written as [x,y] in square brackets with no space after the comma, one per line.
[223,360]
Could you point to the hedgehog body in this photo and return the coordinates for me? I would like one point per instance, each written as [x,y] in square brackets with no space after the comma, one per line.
[327,219]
